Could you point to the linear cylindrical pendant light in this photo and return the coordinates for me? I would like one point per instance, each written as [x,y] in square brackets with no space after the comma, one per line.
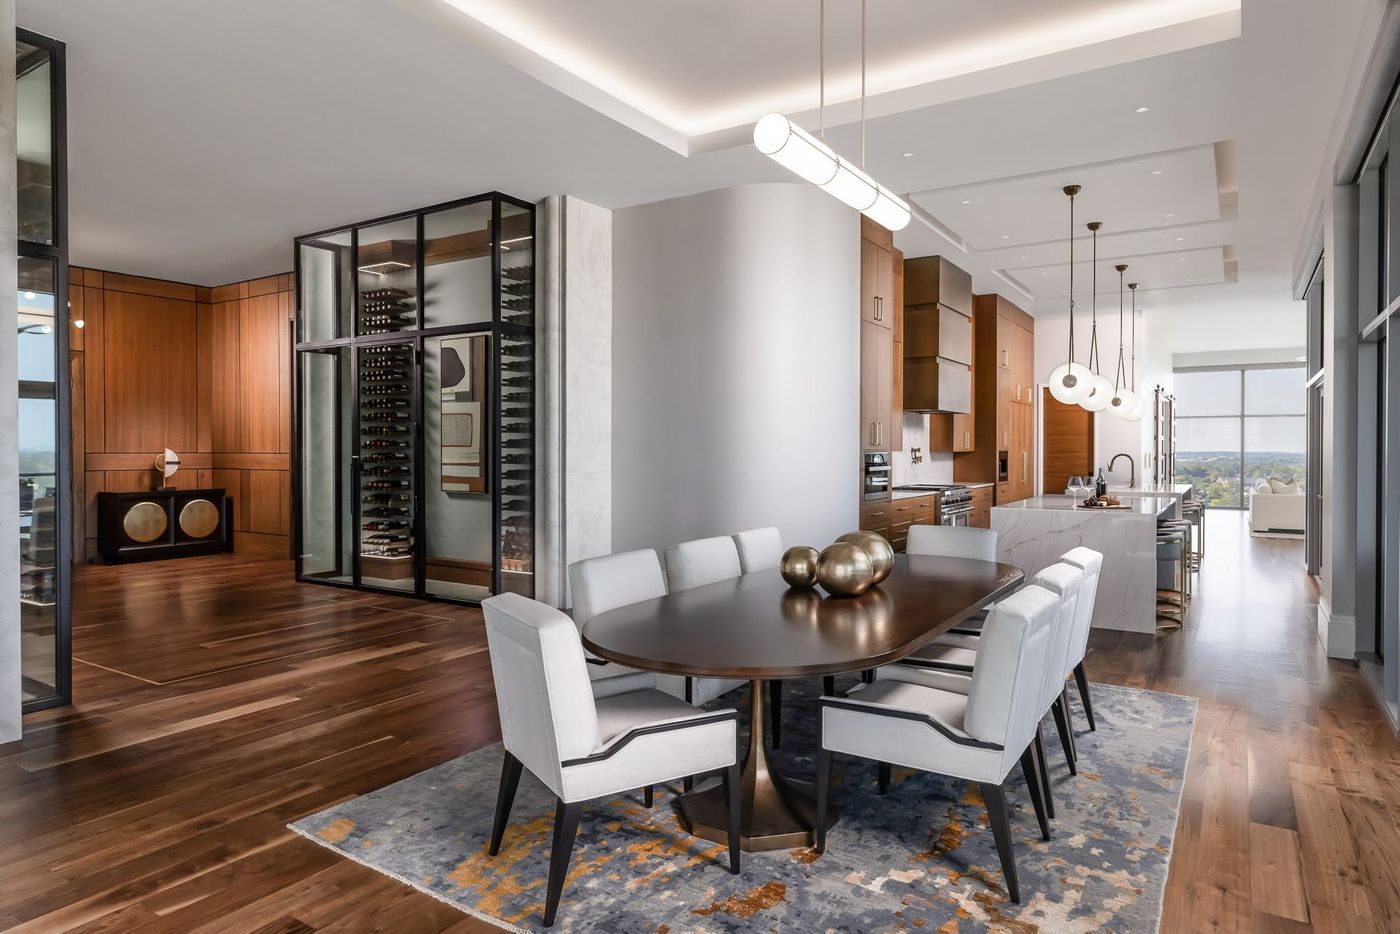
[812,159]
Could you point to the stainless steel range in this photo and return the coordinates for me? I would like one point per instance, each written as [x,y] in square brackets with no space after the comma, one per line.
[954,501]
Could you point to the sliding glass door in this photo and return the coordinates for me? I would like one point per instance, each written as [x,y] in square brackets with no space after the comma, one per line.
[1237,426]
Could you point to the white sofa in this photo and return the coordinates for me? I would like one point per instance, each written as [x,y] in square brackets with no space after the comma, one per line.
[1276,507]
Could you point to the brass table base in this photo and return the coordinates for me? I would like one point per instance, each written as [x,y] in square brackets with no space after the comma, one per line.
[777,814]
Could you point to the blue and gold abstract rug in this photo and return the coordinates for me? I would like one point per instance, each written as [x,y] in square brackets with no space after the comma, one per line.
[919,858]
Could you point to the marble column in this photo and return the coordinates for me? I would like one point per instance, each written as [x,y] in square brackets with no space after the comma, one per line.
[575,399]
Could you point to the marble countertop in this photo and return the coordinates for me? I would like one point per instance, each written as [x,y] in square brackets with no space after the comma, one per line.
[1150,489]
[1145,505]
[911,494]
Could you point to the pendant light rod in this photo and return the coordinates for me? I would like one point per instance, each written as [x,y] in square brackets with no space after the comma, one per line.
[1094,361]
[862,84]
[1120,378]
[821,70]
[1132,287]
[1072,191]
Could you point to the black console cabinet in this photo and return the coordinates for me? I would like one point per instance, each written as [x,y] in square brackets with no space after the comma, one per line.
[163,524]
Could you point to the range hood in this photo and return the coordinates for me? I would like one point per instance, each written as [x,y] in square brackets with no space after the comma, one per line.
[937,336]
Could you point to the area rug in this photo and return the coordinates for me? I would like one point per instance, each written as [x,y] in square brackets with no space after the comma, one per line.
[919,857]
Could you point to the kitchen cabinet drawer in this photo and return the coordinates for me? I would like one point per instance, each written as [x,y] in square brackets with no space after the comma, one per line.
[875,516]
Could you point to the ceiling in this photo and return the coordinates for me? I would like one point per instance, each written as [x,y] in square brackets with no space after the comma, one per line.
[200,160]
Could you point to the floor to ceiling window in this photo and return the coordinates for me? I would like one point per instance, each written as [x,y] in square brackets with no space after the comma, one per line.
[44,553]
[1239,425]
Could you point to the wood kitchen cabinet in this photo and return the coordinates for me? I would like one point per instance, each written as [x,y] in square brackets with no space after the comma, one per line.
[964,426]
[1002,425]
[981,515]
[876,386]
[881,340]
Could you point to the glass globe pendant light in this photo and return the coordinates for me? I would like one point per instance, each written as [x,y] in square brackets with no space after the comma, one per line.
[1069,382]
[1100,386]
[1121,405]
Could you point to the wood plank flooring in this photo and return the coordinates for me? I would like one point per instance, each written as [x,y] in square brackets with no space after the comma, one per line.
[217,700]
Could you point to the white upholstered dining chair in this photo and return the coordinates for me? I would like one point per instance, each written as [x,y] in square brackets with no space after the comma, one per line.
[584,748]
[759,549]
[1091,562]
[979,735]
[955,541]
[606,583]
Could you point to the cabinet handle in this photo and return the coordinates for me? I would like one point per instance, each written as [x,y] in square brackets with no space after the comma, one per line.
[967,443]
[1005,359]
[1025,455]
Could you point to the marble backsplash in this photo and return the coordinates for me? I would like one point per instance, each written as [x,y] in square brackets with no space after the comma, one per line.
[936,467]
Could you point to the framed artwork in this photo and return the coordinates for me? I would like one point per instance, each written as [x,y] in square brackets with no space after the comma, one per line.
[463,448]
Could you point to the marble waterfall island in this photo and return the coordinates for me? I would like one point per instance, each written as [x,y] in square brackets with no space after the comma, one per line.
[1033,533]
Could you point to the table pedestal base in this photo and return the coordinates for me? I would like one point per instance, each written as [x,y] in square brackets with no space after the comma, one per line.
[776,814]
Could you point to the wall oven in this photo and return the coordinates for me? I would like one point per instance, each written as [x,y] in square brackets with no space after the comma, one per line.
[875,475]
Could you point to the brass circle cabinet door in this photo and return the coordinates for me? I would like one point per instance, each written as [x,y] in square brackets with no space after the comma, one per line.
[199,518]
[144,522]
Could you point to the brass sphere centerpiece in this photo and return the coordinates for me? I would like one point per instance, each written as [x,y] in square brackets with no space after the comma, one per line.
[881,552]
[845,570]
[799,566]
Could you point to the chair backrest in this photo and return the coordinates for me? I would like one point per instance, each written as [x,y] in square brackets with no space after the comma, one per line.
[602,584]
[1003,701]
[702,561]
[542,689]
[952,541]
[759,549]
[1063,580]
[1091,563]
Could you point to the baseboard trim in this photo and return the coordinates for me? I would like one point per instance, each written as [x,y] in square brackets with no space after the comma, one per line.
[1336,633]
[1374,676]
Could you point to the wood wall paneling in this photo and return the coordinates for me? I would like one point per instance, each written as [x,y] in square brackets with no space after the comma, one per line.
[205,371]
[1068,436]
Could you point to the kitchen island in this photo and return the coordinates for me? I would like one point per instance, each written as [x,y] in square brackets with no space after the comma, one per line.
[1032,534]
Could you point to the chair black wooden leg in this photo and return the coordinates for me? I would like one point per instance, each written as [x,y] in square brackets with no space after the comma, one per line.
[565,828]
[1039,746]
[732,784]
[1001,831]
[505,797]
[1062,726]
[687,783]
[823,792]
[1082,680]
[1035,784]
[829,685]
[883,777]
[868,676]
[775,711]
[648,796]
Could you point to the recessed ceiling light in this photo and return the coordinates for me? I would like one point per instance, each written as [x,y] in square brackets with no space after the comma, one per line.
[1006,236]
[908,155]
[1181,259]
[1156,171]
[1302,359]
[1171,215]
[1045,273]
[1022,257]
[1179,239]
[1142,110]
[967,201]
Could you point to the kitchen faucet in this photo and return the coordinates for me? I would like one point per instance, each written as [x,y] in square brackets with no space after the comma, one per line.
[1132,468]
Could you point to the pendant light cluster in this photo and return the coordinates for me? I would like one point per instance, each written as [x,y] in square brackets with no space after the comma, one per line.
[1075,383]
[811,158]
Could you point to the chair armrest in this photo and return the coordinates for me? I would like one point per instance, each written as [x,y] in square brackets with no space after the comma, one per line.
[650,729]
[899,713]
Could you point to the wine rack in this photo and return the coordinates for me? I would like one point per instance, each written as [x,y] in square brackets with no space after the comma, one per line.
[386,461]
[416,409]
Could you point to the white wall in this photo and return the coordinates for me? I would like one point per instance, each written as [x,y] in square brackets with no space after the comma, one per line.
[9,402]
[735,366]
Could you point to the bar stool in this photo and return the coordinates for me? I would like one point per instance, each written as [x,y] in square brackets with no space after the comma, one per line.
[1194,511]
[1173,578]
[1185,527]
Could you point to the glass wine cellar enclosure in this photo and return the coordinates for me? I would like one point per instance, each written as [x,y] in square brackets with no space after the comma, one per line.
[415,401]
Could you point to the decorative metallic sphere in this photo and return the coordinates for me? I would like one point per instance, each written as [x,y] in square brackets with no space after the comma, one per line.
[799,566]
[845,570]
[879,549]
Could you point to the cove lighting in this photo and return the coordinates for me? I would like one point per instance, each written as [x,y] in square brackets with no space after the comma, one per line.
[808,157]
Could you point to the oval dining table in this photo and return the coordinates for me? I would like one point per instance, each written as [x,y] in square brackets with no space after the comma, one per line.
[757,628]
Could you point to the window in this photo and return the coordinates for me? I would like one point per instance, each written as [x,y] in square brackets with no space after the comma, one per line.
[1239,425]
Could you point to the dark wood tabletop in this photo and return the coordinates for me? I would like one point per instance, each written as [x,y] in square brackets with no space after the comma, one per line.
[755,626]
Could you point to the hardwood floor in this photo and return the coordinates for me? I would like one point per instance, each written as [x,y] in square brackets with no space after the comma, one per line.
[217,701]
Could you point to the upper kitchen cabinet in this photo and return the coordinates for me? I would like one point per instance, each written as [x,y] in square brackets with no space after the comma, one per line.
[878,259]
[937,336]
